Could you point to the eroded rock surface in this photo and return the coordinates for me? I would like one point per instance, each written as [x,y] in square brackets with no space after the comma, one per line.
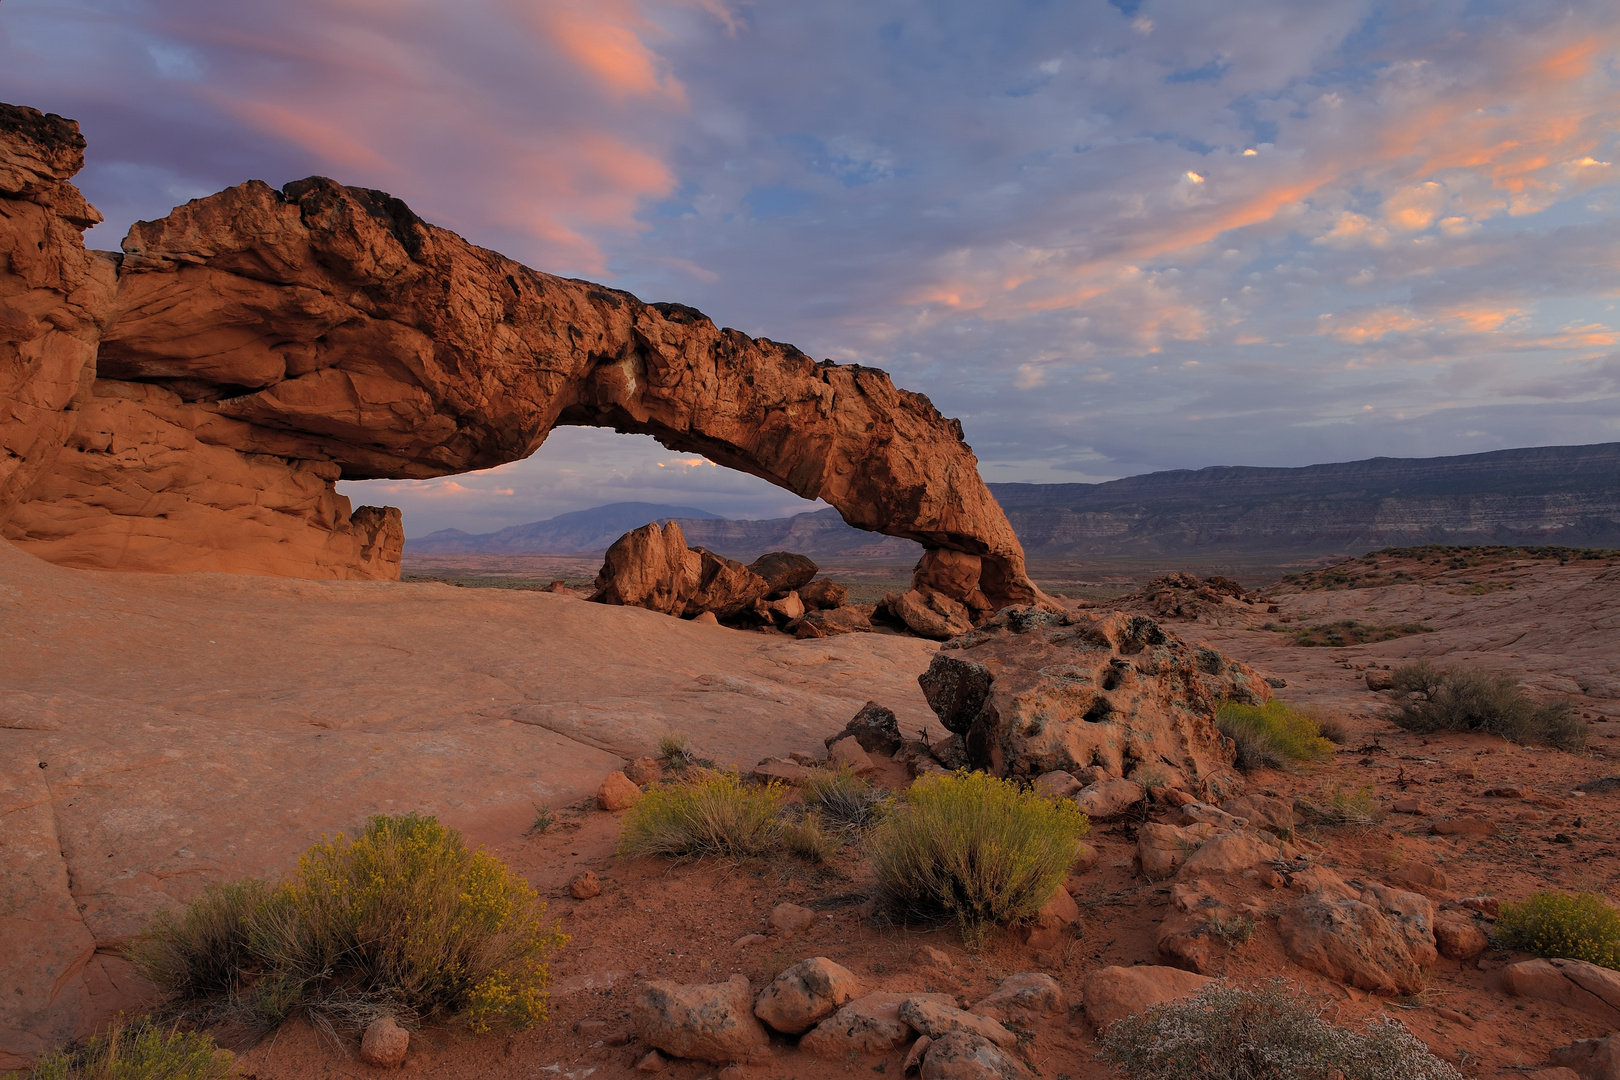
[322,331]
[1034,692]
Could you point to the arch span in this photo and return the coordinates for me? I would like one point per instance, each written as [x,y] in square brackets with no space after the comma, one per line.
[263,344]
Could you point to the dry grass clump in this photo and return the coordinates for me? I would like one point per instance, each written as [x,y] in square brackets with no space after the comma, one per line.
[1272,736]
[402,920]
[1265,1033]
[1426,698]
[975,848]
[137,1051]
[1344,809]
[843,799]
[714,814]
[1578,926]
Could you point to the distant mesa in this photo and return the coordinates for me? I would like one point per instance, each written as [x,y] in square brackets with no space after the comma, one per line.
[190,404]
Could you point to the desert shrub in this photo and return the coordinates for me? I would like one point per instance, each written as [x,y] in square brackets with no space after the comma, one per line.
[1274,735]
[1333,729]
[716,814]
[810,839]
[1344,808]
[1579,926]
[1426,698]
[403,919]
[1349,632]
[138,1051]
[843,799]
[672,748]
[205,948]
[975,848]
[1264,1033]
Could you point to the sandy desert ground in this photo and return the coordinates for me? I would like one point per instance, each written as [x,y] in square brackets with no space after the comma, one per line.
[164,731]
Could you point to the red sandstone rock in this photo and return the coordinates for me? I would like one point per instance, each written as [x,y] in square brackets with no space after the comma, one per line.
[784,572]
[384,1044]
[618,792]
[322,328]
[823,594]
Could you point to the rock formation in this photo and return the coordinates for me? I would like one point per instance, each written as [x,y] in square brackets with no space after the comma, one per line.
[1034,692]
[262,344]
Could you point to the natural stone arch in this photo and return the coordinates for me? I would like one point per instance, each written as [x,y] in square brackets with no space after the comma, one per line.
[266,343]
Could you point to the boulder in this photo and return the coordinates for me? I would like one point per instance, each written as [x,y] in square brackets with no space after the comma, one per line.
[936,1019]
[927,613]
[384,1044]
[1349,941]
[789,609]
[1228,854]
[1057,784]
[1023,999]
[1034,691]
[1590,1059]
[617,792]
[847,752]
[1458,937]
[823,594]
[875,728]
[844,620]
[867,1025]
[1162,849]
[966,1055]
[1379,680]
[1573,983]
[951,753]
[783,572]
[785,772]
[805,994]
[1109,798]
[1412,914]
[713,1022]
[650,567]
[724,586]
[1265,812]
[952,573]
[1601,982]
[1113,993]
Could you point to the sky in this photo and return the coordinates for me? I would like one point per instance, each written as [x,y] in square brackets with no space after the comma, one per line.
[1110,237]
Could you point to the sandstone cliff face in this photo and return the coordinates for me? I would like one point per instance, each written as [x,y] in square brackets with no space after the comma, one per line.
[333,330]
[54,295]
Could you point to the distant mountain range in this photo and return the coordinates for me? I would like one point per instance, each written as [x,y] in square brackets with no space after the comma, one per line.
[1567,495]
[819,534]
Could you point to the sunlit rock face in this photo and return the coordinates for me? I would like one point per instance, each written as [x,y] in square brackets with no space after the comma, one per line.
[277,341]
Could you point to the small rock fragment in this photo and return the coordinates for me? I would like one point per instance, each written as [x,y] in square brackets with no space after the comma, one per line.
[652,1063]
[384,1044]
[1464,827]
[617,792]
[847,751]
[585,885]
[791,918]
[1457,937]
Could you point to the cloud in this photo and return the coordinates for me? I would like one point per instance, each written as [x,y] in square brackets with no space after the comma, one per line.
[1095,233]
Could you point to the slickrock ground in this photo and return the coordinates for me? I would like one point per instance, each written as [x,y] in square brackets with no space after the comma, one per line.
[168,704]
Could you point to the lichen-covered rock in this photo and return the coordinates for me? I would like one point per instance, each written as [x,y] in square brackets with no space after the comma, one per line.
[967,1055]
[711,1022]
[867,1025]
[1023,999]
[936,1020]
[875,727]
[1034,691]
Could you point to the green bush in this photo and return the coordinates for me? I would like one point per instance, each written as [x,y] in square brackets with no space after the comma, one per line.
[402,919]
[715,814]
[1343,808]
[1226,1032]
[138,1051]
[1274,735]
[1426,698]
[975,848]
[1579,926]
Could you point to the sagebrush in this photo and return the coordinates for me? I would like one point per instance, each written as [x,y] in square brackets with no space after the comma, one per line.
[975,848]
[1426,698]
[1579,926]
[1273,736]
[1266,1032]
[1343,807]
[404,919]
[843,799]
[138,1051]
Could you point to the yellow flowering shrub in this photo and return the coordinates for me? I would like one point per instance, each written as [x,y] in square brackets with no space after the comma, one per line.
[1579,926]
[404,916]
